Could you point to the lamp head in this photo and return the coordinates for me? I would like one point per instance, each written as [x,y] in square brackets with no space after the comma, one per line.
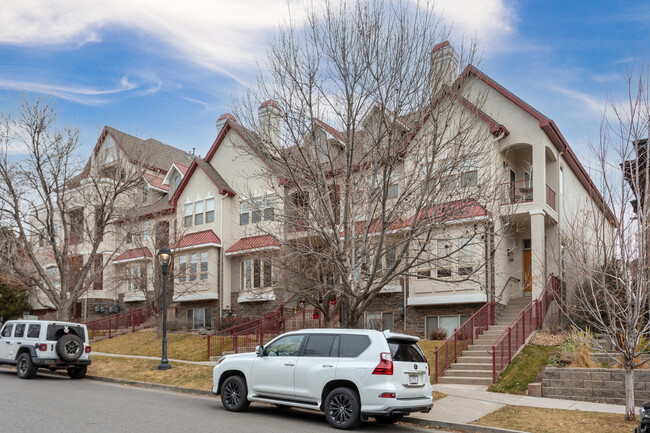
[164,255]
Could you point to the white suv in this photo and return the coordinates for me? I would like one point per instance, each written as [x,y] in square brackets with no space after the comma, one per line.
[350,374]
[34,344]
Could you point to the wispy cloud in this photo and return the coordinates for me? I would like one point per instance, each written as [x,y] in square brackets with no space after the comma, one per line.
[597,106]
[81,94]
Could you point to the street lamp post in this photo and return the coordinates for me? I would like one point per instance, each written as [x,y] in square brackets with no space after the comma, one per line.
[165,256]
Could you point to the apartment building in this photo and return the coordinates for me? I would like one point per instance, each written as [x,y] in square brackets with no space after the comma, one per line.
[220,214]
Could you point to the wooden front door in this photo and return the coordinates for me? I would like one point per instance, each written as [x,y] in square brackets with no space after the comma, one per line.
[528,286]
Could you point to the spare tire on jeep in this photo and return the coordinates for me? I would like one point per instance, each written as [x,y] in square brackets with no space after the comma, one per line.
[69,347]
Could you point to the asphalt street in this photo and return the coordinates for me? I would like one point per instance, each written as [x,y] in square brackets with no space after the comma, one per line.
[56,404]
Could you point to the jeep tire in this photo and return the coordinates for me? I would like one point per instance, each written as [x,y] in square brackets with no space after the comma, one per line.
[25,368]
[69,347]
[77,372]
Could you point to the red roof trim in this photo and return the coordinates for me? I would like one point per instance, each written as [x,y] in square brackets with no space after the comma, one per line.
[552,131]
[133,254]
[441,45]
[188,176]
[196,239]
[253,243]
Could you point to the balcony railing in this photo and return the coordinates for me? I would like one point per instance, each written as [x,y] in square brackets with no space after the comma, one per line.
[520,191]
[550,197]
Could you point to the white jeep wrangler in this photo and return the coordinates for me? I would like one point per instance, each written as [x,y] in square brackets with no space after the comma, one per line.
[34,344]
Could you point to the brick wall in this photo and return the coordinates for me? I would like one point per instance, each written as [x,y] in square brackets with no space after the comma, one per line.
[601,385]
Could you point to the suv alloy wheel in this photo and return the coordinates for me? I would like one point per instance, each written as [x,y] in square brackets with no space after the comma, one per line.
[342,409]
[234,394]
[25,367]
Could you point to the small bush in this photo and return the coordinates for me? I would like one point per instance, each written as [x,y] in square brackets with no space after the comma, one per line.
[583,359]
[438,334]
[176,324]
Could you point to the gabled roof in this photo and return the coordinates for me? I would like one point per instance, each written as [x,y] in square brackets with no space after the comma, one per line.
[338,135]
[134,254]
[155,182]
[209,170]
[552,131]
[177,166]
[254,243]
[199,239]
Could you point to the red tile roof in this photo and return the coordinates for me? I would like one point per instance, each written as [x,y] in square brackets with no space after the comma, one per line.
[253,243]
[135,253]
[196,239]
[156,181]
[181,167]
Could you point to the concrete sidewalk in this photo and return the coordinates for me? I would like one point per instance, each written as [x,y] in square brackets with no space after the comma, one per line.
[467,403]
[115,355]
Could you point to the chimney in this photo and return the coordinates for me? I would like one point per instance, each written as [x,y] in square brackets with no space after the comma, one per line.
[444,65]
[269,117]
[223,118]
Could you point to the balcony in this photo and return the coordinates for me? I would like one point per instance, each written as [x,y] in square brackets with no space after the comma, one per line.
[520,191]
[550,198]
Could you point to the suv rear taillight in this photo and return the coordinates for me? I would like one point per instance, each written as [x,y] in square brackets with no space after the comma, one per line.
[385,365]
[87,349]
[42,347]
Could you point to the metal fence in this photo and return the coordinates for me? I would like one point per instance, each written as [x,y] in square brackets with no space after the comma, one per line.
[119,324]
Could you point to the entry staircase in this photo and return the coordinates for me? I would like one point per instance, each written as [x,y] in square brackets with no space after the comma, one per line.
[474,366]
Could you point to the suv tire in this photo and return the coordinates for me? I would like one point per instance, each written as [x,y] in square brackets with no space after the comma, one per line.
[342,409]
[25,367]
[70,347]
[234,394]
[388,419]
[78,372]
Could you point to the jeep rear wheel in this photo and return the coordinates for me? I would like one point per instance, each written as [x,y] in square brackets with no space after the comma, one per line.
[69,347]
[78,372]
[342,409]
[234,394]
[25,367]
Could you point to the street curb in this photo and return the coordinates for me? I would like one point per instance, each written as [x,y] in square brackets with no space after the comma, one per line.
[464,428]
[147,385]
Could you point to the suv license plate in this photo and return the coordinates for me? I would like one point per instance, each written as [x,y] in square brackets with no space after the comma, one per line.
[413,379]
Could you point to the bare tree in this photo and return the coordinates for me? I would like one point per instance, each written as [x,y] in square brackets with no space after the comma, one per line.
[59,209]
[375,149]
[607,263]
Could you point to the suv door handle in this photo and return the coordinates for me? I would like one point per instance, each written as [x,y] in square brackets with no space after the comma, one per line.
[7,342]
[289,364]
[18,342]
[328,365]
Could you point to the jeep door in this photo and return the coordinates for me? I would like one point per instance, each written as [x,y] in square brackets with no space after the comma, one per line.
[316,366]
[6,342]
[273,374]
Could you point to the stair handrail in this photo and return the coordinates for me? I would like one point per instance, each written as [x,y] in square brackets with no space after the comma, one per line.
[484,316]
[500,297]
[537,309]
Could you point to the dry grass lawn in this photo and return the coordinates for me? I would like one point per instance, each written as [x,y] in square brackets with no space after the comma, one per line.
[144,370]
[188,347]
[536,420]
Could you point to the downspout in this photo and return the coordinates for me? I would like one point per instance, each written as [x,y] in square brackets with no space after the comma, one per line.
[221,259]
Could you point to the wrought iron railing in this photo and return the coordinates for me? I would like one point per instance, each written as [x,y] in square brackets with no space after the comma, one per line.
[119,324]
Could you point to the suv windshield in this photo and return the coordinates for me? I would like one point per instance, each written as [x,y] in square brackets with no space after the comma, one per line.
[407,351]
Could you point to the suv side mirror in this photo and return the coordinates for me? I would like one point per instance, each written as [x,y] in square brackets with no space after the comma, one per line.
[259,350]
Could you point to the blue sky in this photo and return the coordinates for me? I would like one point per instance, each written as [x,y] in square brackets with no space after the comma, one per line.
[168,69]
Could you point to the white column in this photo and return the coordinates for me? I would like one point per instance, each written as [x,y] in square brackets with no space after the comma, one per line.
[538,254]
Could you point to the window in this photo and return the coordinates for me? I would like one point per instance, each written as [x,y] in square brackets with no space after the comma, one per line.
[448,323]
[177,181]
[53,275]
[561,180]
[423,274]
[182,269]
[76,230]
[379,321]
[209,210]
[6,332]
[145,194]
[203,275]
[430,323]
[136,278]
[448,183]
[469,173]
[244,215]
[257,209]
[189,211]
[465,257]
[392,184]
[199,318]
[98,280]
[444,270]
[403,351]
[34,331]
[198,213]
[390,257]
[319,345]
[256,273]
[353,345]
[285,346]
[194,261]
[20,330]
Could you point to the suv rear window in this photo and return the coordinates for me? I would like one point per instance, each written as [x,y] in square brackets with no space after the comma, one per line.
[33,331]
[319,345]
[54,332]
[407,351]
[353,345]
[6,332]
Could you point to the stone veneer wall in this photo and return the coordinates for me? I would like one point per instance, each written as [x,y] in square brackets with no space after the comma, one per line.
[601,385]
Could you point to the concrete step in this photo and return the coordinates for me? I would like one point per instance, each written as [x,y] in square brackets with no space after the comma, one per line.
[464,366]
[468,373]
[475,358]
[477,348]
[465,380]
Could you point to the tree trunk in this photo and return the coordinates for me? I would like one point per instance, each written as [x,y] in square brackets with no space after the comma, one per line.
[64,312]
[629,393]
